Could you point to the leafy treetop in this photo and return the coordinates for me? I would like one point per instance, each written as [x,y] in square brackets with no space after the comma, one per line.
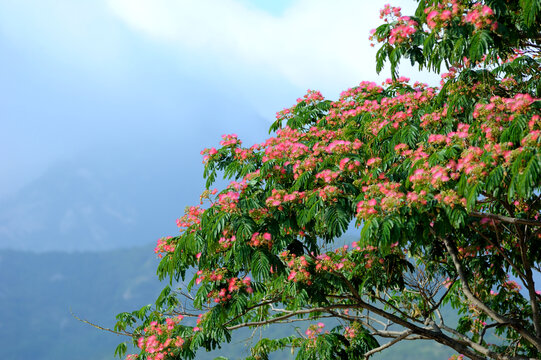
[444,185]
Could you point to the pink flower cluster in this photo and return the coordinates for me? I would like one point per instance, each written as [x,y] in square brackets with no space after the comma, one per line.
[336,262]
[433,118]
[435,175]
[208,154]
[417,198]
[389,10]
[470,163]
[227,287]
[373,161]
[279,197]
[205,195]
[343,146]
[440,16]
[298,267]
[191,217]
[402,31]
[511,285]
[499,106]
[158,341]
[164,245]
[328,175]
[403,26]
[379,197]
[226,241]
[329,193]
[481,17]
[230,140]
[213,276]
[365,89]
[242,154]
[350,332]
[261,240]
[311,96]
[228,201]
[282,149]
[349,164]
[314,330]
[450,198]
[232,286]
[307,164]
[532,139]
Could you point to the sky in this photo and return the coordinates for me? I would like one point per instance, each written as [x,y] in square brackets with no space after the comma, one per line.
[96,76]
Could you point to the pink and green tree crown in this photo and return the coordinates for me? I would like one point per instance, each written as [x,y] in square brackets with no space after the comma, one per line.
[443,185]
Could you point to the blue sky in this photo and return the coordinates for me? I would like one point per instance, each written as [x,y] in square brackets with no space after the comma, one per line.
[79,77]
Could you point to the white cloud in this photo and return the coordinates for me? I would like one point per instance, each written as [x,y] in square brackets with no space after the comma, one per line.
[314,43]
[74,34]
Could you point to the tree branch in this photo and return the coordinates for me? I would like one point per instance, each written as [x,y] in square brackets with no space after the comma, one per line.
[291,314]
[123,333]
[507,219]
[481,348]
[402,336]
[431,334]
[499,249]
[268,302]
[482,306]
[531,288]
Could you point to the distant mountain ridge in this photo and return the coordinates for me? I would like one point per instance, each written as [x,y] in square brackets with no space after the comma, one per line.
[39,290]
[126,194]
[85,206]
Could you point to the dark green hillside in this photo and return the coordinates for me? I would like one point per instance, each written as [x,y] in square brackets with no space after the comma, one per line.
[38,291]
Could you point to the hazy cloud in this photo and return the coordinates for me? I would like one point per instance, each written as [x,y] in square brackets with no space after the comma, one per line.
[312,43]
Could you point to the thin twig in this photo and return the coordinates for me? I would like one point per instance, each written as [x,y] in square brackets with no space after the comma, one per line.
[123,333]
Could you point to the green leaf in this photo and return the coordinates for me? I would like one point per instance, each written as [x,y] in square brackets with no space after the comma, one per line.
[260,265]
[480,44]
[494,179]
[530,177]
[530,11]
[473,193]
[164,294]
[121,349]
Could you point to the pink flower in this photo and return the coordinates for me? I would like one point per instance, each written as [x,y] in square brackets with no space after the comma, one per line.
[292,275]
[179,341]
[372,161]
[445,15]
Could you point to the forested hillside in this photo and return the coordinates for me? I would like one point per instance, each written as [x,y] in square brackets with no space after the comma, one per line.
[38,291]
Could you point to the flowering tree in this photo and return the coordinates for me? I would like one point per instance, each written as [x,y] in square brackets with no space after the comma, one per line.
[444,185]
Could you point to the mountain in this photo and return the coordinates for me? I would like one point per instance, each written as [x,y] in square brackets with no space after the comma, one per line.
[120,194]
[40,290]
[78,207]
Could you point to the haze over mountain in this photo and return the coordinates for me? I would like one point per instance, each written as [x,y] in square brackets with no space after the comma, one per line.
[115,197]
